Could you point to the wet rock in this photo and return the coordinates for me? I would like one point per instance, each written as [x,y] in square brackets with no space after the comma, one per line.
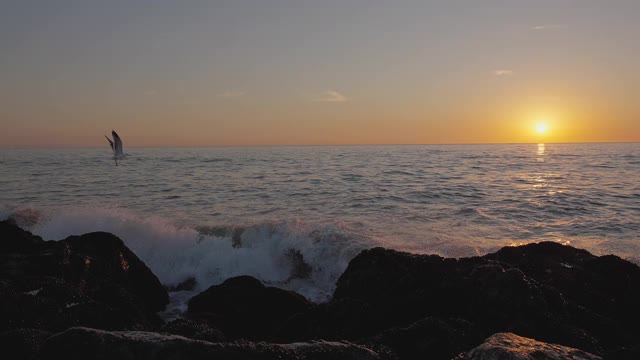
[84,343]
[508,346]
[399,289]
[429,338]
[605,289]
[193,329]
[91,280]
[546,291]
[99,256]
[416,306]
[338,319]
[14,239]
[625,353]
[242,307]
[22,344]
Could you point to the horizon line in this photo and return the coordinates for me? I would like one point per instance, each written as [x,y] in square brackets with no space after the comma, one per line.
[325,145]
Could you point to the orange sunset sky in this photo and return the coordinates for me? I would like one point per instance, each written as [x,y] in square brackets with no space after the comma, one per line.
[196,73]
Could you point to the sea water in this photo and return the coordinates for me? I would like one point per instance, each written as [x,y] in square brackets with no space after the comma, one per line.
[294,216]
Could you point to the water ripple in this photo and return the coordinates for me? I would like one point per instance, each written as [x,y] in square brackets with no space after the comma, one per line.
[413,197]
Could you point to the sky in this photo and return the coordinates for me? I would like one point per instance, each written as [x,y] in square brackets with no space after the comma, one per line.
[297,72]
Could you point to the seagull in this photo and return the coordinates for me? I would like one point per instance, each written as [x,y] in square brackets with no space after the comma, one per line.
[116,146]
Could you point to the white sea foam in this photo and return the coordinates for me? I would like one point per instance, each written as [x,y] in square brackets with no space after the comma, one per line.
[33,292]
[175,252]
[211,255]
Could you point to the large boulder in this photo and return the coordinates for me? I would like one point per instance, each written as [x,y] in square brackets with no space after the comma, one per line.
[22,344]
[14,239]
[604,289]
[99,257]
[396,289]
[242,307]
[429,338]
[90,280]
[545,291]
[338,319]
[84,343]
[631,352]
[193,329]
[508,346]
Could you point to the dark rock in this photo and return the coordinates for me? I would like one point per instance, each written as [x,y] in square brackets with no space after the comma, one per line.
[546,291]
[193,329]
[508,346]
[13,238]
[58,305]
[625,353]
[22,344]
[242,307]
[605,289]
[97,256]
[91,280]
[338,319]
[399,289]
[429,338]
[84,343]
[416,306]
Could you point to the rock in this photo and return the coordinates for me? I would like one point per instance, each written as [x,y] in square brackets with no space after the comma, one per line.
[193,329]
[102,256]
[91,280]
[242,307]
[22,344]
[85,343]
[508,346]
[338,319]
[604,289]
[399,289]
[58,305]
[625,353]
[429,338]
[416,306]
[13,238]
[546,291]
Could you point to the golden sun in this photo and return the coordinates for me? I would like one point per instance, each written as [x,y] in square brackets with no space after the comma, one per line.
[542,128]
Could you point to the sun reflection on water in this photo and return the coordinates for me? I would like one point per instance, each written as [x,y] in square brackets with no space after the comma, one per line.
[541,152]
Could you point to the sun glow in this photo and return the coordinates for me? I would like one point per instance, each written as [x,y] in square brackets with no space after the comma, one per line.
[542,128]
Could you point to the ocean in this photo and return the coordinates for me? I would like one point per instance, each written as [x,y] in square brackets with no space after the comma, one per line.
[294,216]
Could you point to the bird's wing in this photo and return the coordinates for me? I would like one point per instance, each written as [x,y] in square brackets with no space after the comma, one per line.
[117,149]
[110,143]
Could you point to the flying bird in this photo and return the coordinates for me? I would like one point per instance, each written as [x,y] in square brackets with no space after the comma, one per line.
[116,146]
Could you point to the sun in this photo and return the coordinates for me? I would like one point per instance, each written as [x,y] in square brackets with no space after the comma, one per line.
[542,128]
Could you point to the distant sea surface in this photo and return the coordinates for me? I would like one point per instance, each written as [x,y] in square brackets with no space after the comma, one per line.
[295,216]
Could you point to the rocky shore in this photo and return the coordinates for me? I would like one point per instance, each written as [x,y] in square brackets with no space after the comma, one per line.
[90,297]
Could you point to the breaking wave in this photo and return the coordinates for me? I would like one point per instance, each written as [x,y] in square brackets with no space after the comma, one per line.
[296,255]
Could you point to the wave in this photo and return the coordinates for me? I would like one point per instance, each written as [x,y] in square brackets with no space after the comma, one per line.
[308,257]
[296,255]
